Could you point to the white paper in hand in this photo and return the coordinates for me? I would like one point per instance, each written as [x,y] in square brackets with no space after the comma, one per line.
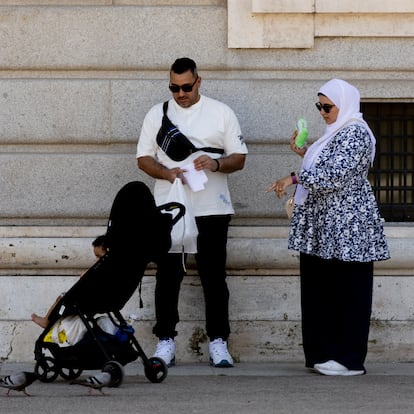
[195,179]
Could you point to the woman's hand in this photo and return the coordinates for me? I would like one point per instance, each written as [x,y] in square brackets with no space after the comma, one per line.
[300,151]
[280,186]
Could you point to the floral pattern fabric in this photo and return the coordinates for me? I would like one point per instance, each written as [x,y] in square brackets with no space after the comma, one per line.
[340,217]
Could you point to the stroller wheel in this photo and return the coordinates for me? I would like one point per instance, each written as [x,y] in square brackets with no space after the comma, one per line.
[70,373]
[156,369]
[46,369]
[117,373]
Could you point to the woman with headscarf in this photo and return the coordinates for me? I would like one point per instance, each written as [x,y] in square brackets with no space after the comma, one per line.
[337,228]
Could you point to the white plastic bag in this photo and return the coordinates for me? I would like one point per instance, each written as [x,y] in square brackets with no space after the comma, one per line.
[105,323]
[67,331]
[184,233]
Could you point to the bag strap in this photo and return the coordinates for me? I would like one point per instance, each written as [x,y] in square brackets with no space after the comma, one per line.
[206,149]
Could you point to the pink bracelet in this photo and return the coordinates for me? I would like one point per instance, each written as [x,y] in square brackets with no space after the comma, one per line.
[294,179]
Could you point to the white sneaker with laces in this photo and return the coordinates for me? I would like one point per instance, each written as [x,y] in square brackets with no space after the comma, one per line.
[219,354]
[332,367]
[166,351]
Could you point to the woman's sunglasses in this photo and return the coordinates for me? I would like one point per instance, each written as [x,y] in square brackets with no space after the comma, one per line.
[326,107]
[185,88]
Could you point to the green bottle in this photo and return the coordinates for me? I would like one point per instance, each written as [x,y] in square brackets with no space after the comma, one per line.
[302,136]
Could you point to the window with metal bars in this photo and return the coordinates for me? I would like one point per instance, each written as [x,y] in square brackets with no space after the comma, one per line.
[392,173]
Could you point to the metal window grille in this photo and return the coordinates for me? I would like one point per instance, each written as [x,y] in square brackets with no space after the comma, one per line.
[392,173]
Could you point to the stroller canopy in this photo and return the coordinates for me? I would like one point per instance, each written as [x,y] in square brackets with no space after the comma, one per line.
[137,233]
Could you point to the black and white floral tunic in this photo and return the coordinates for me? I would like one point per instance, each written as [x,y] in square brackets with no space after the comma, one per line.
[340,217]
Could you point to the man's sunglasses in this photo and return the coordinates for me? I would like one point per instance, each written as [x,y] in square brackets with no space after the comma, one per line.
[185,88]
[326,107]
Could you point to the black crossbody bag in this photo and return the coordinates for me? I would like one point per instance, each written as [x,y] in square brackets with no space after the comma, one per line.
[175,144]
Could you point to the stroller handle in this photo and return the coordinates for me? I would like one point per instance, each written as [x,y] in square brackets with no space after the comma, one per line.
[173,206]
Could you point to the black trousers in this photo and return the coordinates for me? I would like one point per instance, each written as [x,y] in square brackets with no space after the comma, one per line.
[336,301]
[211,266]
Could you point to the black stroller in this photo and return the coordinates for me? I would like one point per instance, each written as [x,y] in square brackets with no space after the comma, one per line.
[138,232]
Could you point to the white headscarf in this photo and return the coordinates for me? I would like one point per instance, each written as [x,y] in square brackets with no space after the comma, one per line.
[347,99]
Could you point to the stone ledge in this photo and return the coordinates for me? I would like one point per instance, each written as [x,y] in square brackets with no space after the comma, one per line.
[366,6]
[262,250]
[252,297]
[283,6]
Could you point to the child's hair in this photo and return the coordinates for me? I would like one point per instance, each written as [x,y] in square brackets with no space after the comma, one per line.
[100,241]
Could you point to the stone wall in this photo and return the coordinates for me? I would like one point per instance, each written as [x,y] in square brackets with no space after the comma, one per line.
[76,79]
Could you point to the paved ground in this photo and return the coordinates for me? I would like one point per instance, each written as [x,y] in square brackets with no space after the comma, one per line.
[246,388]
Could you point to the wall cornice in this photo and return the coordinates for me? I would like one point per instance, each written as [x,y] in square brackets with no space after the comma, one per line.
[296,23]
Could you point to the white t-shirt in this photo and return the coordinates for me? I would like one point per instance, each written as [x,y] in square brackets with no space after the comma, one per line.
[207,123]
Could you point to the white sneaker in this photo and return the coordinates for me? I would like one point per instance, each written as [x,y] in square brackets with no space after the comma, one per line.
[219,355]
[166,351]
[332,367]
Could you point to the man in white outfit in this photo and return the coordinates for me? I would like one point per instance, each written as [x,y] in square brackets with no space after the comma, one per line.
[214,131]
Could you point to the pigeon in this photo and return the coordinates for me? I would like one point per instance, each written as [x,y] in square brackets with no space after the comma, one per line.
[96,382]
[18,382]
